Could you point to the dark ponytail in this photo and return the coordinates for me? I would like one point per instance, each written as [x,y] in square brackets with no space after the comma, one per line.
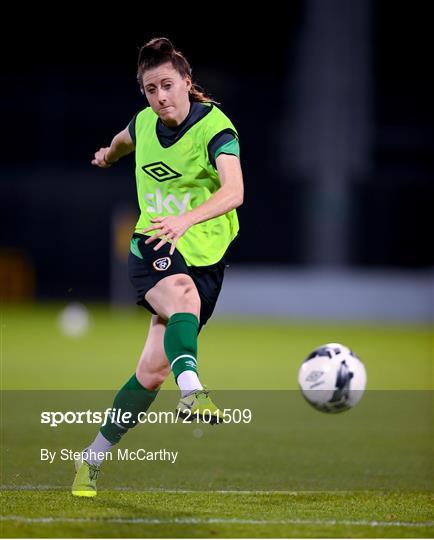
[160,51]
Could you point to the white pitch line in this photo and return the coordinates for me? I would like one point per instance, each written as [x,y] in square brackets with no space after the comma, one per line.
[27,487]
[210,521]
[46,487]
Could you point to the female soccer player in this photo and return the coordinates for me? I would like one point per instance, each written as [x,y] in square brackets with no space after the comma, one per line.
[189,182]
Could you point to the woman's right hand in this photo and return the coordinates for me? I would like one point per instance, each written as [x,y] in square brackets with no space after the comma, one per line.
[99,159]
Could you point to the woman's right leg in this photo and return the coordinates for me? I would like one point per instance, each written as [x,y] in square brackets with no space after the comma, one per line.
[135,397]
[153,366]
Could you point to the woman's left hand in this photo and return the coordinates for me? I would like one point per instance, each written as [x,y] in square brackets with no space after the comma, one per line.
[168,228]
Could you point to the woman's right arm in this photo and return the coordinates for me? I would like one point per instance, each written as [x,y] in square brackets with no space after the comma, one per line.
[121,146]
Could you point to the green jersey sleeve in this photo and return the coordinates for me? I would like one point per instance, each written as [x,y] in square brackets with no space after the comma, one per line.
[132,128]
[231,147]
[225,142]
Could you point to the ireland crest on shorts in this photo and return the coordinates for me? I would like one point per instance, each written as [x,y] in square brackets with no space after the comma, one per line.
[162,264]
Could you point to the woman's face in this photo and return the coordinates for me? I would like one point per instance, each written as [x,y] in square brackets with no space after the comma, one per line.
[167,93]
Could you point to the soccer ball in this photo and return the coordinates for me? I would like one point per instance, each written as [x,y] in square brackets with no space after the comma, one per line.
[332,378]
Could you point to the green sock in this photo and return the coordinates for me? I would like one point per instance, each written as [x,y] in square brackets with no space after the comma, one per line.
[180,342]
[133,398]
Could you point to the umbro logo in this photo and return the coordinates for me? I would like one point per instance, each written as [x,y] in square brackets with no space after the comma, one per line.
[162,264]
[314,376]
[190,363]
[160,171]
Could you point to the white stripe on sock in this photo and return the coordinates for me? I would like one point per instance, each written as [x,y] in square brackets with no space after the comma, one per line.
[183,356]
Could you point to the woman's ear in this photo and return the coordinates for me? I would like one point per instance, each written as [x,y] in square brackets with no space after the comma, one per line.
[188,83]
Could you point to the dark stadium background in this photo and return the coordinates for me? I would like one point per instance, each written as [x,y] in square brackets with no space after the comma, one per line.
[69,86]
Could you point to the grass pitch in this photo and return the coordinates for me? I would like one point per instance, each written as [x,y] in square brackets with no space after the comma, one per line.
[293,472]
[209,514]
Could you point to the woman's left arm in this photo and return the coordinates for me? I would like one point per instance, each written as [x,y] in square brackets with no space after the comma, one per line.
[229,196]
